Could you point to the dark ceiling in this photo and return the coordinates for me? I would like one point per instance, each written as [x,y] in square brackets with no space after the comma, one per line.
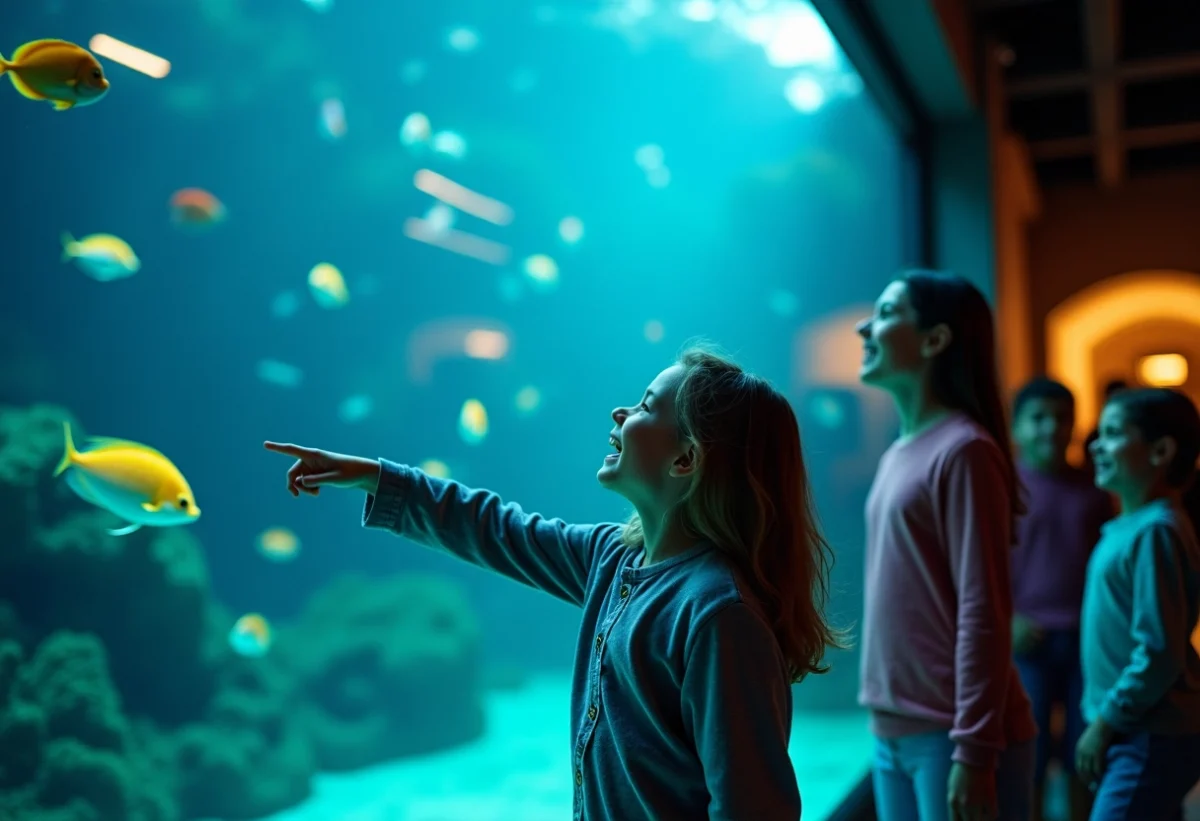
[1101,89]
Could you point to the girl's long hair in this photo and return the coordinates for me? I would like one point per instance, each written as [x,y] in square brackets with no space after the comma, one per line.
[751,499]
[965,375]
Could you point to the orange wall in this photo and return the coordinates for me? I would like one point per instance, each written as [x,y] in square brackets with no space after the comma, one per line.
[1085,234]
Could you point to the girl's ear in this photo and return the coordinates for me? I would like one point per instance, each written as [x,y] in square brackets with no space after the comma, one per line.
[1163,450]
[685,464]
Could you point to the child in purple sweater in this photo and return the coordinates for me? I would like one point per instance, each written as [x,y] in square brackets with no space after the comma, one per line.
[698,614]
[953,724]
[1055,537]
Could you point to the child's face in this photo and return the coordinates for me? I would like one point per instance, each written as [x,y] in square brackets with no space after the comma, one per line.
[1042,430]
[651,455]
[1125,463]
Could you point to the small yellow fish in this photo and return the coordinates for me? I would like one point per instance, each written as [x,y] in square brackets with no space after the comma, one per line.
[62,73]
[328,286]
[250,635]
[103,257]
[278,544]
[132,481]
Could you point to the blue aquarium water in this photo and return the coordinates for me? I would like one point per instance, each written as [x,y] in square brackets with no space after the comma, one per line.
[455,234]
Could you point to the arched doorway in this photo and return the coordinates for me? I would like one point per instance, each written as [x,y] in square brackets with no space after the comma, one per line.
[1119,318]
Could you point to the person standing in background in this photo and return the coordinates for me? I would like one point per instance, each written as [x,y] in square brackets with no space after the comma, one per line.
[1141,675]
[1055,537]
[954,728]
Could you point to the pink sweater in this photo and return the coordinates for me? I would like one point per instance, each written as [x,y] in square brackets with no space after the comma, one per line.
[937,635]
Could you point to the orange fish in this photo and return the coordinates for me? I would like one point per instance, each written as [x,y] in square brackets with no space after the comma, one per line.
[62,73]
[196,207]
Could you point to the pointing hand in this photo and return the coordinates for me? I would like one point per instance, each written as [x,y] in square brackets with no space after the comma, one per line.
[315,469]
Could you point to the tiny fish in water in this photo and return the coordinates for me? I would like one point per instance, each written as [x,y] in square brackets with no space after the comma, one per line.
[61,73]
[103,257]
[328,286]
[250,635]
[278,544]
[129,480]
[196,208]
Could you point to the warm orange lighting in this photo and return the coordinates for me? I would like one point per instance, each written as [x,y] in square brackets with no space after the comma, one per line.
[1080,323]
[453,337]
[829,351]
[1163,370]
[485,344]
[130,56]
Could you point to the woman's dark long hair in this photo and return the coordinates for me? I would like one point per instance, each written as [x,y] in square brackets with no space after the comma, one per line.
[965,375]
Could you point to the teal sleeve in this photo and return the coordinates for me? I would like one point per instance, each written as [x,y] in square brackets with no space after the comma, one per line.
[1160,629]
[737,707]
[480,528]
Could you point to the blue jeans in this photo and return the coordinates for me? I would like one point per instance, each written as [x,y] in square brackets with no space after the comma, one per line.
[1052,675]
[911,774]
[1146,778]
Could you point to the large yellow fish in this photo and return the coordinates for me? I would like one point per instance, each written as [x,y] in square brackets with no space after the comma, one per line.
[132,481]
[62,73]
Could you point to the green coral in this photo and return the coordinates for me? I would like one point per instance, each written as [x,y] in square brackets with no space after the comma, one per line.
[65,747]
[31,440]
[249,757]
[145,595]
[387,669]
[120,699]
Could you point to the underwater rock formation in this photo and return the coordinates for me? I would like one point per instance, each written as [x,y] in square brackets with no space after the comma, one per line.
[247,757]
[386,668]
[144,595]
[121,700]
[66,750]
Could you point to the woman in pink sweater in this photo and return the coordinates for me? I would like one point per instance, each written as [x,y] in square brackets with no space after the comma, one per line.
[954,728]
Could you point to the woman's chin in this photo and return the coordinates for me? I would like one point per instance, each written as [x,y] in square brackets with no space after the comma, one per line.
[868,374]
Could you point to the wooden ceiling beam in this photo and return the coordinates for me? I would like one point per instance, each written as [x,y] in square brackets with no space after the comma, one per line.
[1154,137]
[1160,68]
[1102,24]
[993,5]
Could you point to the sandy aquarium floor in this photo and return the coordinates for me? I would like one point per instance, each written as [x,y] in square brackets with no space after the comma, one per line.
[521,770]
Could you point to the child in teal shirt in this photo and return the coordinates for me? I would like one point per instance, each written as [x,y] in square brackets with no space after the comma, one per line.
[1141,694]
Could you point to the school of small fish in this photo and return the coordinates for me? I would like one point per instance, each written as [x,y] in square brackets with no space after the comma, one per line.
[141,486]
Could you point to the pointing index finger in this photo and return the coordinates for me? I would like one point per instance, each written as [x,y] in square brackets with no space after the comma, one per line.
[287,449]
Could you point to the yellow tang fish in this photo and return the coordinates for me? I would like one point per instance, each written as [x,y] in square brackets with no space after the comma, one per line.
[132,481]
[103,257]
[62,73]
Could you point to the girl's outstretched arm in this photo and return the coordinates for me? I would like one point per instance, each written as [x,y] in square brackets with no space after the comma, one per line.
[478,527]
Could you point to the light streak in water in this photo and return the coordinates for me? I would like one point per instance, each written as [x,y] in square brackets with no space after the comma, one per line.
[130,56]
[458,242]
[462,198]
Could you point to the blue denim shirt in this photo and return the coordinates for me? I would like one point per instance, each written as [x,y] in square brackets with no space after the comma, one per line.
[681,707]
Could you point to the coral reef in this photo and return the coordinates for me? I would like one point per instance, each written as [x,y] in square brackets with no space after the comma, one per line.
[121,700]
[368,697]
[65,745]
